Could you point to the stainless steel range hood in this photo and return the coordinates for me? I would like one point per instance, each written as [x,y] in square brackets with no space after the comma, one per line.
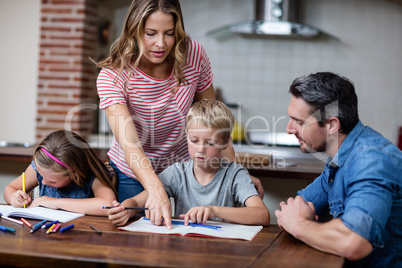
[279,18]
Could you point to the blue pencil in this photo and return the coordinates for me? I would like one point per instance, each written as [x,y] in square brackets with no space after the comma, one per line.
[37,226]
[193,224]
[47,225]
[62,230]
[136,208]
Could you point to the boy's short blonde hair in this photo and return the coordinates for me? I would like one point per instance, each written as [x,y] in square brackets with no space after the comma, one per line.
[212,114]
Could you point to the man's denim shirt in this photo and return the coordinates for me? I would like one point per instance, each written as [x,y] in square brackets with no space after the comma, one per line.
[362,185]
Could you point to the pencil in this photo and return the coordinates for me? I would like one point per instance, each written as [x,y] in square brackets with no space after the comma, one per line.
[97,230]
[49,224]
[136,208]
[50,229]
[10,229]
[26,222]
[56,227]
[23,183]
[62,230]
[11,219]
[37,226]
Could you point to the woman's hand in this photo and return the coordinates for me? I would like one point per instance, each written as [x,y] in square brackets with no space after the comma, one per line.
[159,209]
[198,214]
[258,186]
[118,215]
[19,198]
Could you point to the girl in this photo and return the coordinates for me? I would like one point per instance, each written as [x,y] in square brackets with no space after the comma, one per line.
[69,174]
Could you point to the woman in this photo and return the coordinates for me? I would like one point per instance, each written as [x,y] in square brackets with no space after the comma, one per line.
[147,85]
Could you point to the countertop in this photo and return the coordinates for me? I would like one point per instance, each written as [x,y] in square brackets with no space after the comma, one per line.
[260,160]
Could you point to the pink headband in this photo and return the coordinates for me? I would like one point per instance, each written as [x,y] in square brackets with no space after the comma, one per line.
[55,159]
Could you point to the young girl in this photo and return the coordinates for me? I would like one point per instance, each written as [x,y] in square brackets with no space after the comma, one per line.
[69,174]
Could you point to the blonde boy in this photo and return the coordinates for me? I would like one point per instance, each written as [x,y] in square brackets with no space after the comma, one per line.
[207,186]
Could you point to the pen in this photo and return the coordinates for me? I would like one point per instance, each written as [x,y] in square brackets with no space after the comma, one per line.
[23,183]
[193,224]
[49,224]
[62,230]
[37,226]
[137,208]
[8,229]
[50,229]
[26,222]
[97,230]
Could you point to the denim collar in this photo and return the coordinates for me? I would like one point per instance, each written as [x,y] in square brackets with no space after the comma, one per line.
[346,147]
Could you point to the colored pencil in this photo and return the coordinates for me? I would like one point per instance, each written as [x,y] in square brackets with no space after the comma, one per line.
[27,223]
[136,208]
[23,183]
[10,229]
[12,220]
[37,226]
[49,224]
[62,230]
[97,230]
[56,227]
[50,229]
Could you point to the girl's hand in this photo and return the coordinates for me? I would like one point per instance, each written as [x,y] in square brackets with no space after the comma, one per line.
[19,198]
[45,201]
[118,215]
[198,214]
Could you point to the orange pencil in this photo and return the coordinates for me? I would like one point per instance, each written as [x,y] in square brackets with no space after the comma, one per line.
[26,222]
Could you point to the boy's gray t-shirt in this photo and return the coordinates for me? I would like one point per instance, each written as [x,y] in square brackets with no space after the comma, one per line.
[230,187]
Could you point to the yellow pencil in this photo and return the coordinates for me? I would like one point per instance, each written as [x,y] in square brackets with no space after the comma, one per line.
[50,229]
[23,183]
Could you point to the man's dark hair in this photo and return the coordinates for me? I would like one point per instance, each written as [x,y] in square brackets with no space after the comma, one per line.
[329,95]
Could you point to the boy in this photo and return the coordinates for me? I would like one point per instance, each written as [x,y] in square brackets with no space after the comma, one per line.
[207,186]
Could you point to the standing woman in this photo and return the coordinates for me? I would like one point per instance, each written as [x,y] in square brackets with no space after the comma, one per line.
[147,84]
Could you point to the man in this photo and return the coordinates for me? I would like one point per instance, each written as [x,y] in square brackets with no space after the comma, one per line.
[361,185]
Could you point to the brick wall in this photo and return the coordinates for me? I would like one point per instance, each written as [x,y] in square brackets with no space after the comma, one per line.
[67,77]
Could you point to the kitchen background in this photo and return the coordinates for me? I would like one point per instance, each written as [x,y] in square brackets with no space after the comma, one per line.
[252,72]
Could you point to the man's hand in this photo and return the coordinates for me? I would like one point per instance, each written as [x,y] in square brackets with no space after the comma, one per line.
[294,214]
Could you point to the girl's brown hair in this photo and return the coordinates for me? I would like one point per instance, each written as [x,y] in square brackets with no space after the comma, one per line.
[129,48]
[74,152]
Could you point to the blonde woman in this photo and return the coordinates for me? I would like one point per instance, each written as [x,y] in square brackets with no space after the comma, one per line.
[147,84]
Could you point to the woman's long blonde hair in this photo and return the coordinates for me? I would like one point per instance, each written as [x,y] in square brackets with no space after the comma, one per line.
[129,48]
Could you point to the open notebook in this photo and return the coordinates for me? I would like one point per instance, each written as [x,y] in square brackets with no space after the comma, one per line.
[39,213]
[226,230]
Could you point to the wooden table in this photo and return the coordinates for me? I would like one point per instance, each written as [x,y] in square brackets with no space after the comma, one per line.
[83,247]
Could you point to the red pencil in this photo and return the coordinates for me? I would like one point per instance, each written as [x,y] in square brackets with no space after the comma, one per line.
[55,228]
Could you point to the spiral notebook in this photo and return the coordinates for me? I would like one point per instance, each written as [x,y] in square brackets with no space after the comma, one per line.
[39,213]
[226,230]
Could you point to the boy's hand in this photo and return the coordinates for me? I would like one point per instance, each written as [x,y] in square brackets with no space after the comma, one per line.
[19,198]
[198,214]
[118,215]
